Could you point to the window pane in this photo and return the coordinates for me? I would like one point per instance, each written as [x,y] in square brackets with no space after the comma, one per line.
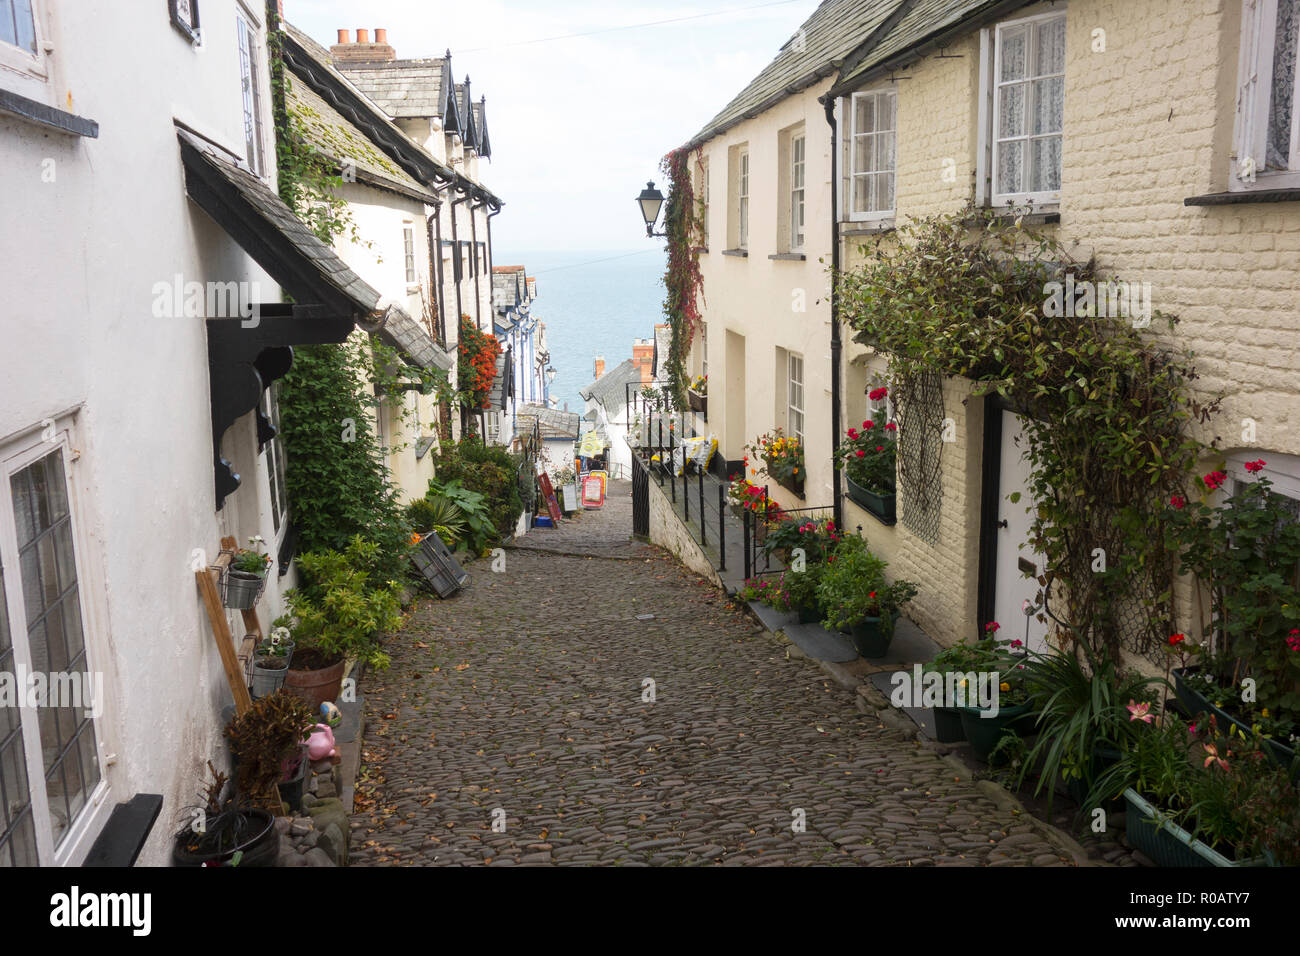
[862,158]
[885,152]
[1045,164]
[1011,111]
[1282,104]
[16,24]
[1013,53]
[885,191]
[1051,47]
[888,111]
[866,114]
[1049,105]
[1009,167]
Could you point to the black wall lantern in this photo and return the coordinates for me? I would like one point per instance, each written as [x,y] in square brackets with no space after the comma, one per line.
[651,201]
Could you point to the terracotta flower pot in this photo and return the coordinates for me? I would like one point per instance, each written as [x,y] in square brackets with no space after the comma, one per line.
[316,686]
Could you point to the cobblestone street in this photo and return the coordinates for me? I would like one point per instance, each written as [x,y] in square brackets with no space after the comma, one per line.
[524,694]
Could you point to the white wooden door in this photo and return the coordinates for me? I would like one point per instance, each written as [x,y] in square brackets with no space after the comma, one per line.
[1016,567]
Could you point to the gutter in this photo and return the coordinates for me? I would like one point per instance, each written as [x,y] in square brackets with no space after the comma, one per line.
[455,244]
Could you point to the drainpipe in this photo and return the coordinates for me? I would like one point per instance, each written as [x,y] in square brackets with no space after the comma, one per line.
[455,242]
[496,211]
[837,346]
[478,293]
[434,224]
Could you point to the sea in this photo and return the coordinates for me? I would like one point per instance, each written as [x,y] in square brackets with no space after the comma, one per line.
[594,302]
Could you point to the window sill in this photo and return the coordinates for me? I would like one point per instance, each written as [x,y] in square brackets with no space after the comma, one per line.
[850,229]
[742,253]
[1244,196]
[1045,218]
[789,257]
[47,116]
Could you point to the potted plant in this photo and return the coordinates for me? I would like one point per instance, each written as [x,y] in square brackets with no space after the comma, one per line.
[769,591]
[964,662]
[245,578]
[270,666]
[1194,795]
[267,744]
[697,394]
[985,726]
[783,459]
[869,460]
[338,614]
[1236,549]
[224,832]
[802,592]
[1089,712]
[857,600]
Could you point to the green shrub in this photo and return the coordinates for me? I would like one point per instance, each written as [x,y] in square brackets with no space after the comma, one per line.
[491,471]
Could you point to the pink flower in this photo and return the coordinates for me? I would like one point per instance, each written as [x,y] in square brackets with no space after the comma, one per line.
[992,627]
[1178,501]
[1017,643]
[861,453]
[868,425]
[853,433]
[1254,466]
[1140,711]
[891,427]
[876,394]
[1176,639]
[1214,756]
[1215,480]
[1293,639]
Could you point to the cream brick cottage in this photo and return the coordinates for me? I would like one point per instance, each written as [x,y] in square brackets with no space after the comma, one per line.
[1158,135]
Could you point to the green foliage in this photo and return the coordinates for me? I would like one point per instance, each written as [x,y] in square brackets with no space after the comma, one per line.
[1106,404]
[767,591]
[265,739]
[1246,551]
[870,456]
[853,588]
[683,225]
[478,532]
[490,470]
[340,610]
[1082,706]
[338,487]
[439,514]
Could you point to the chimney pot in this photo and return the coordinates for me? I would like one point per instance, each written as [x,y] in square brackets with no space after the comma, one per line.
[363,36]
[381,35]
[345,36]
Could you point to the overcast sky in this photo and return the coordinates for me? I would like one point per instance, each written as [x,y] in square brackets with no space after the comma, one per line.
[578,124]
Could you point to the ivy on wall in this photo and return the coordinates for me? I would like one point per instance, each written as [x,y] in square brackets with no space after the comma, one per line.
[685,286]
[1106,403]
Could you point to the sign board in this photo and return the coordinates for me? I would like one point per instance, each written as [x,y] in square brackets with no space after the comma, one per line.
[548,495]
[591,445]
[593,489]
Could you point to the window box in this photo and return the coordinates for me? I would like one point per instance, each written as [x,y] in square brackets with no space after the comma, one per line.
[878,506]
[1195,703]
[1165,842]
[792,485]
[699,402]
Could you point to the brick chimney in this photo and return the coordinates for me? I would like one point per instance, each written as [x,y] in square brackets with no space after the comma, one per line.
[363,51]
[600,365]
[643,354]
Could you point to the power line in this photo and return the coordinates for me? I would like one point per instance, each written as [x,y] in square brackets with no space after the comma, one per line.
[592,262]
[632,26]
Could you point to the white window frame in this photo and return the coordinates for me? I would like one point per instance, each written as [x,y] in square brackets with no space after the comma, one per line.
[798,190]
[276,464]
[84,829]
[1250,133]
[990,114]
[31,65]
[793,382]
[849,112]
[408,252]
[742,199]
[248,26]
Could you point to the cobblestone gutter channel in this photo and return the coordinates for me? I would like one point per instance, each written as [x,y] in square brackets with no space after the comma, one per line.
[516,726]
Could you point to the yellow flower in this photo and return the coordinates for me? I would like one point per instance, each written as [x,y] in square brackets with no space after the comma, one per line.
[1004,687]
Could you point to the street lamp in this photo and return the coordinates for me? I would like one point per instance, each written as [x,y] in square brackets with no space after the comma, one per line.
[550,375]
[651,201]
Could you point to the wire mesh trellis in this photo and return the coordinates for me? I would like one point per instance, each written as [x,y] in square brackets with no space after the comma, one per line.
[918,404]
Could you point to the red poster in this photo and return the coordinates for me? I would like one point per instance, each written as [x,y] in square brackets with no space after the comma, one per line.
[593,490]
[548,495]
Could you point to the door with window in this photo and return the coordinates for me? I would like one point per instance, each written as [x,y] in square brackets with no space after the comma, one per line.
[1017,567]
[52,787]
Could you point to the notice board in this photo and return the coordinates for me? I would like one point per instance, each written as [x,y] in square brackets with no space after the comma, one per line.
[548,495]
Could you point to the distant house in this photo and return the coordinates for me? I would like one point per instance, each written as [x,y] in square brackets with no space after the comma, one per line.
[608,407]
[558,431]
[523,335]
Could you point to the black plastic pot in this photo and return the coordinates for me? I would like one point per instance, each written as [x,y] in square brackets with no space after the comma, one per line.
[985,732]
[1194,703]
[882,507]
[947,725]
[291,789]
[252,833]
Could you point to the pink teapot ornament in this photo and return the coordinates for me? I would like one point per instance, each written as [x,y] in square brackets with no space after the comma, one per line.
[320,745]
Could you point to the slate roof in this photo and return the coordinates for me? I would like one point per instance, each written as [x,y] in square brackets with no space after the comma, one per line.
[502,384]
[509,287]
[408,88]
[921,23]
[816,51]
[480,124]
[554,423]
[409,337]
[465,107]
[291,253]
[330,134]
[609,390]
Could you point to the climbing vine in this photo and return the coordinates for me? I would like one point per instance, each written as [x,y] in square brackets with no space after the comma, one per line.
[479,352]
[1106,404]
[685,286]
